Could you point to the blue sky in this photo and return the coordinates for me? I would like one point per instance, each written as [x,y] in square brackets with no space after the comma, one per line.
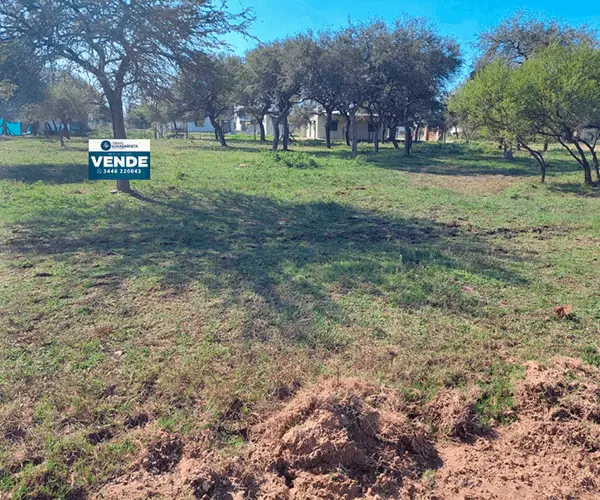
[462,19]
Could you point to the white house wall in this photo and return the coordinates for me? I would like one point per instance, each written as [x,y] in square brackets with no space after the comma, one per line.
[316,128]
[204,127]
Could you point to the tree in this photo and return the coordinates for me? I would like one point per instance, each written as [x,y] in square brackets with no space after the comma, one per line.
[20,78]
[560,89]
[519,37]
[68,99]
[139,116]
[122,43]
[300,115]
[430,60]
[355,49]
[280,70]
[208,88]
[255,88]
[325,83]
[494,102]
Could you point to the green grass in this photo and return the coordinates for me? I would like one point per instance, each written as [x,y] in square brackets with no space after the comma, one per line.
[235,276]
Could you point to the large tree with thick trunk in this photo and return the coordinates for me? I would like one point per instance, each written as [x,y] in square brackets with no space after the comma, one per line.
[121,43]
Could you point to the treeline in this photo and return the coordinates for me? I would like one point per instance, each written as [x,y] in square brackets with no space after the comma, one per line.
[536,82]
[394,73]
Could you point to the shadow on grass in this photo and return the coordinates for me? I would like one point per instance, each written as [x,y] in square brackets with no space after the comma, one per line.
[291,257]
[46,172]
[444,159]
[574,188]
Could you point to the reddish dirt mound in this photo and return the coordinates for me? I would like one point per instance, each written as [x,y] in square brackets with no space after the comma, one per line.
[341,440]
[336,440]
[350,439]
[551,452]
[451,413]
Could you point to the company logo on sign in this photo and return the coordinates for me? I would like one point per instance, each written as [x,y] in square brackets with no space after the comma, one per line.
[119,159]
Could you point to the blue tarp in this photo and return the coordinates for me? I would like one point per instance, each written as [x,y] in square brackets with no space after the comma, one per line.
[13,128]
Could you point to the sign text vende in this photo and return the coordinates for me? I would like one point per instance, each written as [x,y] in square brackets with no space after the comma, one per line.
[119,159]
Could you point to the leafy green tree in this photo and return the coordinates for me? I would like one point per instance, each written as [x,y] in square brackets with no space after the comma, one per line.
[254,89]
[493,100]
[325,83]
[560,89]
[139,116]
[279,72]
[356,47]
[424,64]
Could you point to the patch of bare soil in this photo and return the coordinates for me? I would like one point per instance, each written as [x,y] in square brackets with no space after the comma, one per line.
[349,439]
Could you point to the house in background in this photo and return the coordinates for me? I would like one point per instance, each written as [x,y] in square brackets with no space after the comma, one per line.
[239,123]
[315,129]
[206,126]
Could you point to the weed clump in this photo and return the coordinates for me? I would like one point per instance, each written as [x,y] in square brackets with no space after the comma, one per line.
[289,159]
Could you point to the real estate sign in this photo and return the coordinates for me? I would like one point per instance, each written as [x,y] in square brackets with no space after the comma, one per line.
[119,159]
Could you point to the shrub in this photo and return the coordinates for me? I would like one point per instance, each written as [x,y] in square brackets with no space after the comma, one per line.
[290,159]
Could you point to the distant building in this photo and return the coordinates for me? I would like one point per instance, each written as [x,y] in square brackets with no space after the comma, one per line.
[315,129]
[238,124]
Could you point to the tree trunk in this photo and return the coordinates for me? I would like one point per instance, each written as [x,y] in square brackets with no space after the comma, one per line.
[545,146]
[347,133]
[407,139]
[218,131]
[115,103]
[417,132]
[587,170]
[587,173]
[392,130]
[328,121]
[596,167]
[354,133]
[508,152]
[592,149]
[539,160]
[261,126]
[376,137]
[275,135]
[63,132]
[286,133]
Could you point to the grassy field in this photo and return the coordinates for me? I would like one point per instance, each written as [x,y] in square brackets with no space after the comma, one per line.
[235,276]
